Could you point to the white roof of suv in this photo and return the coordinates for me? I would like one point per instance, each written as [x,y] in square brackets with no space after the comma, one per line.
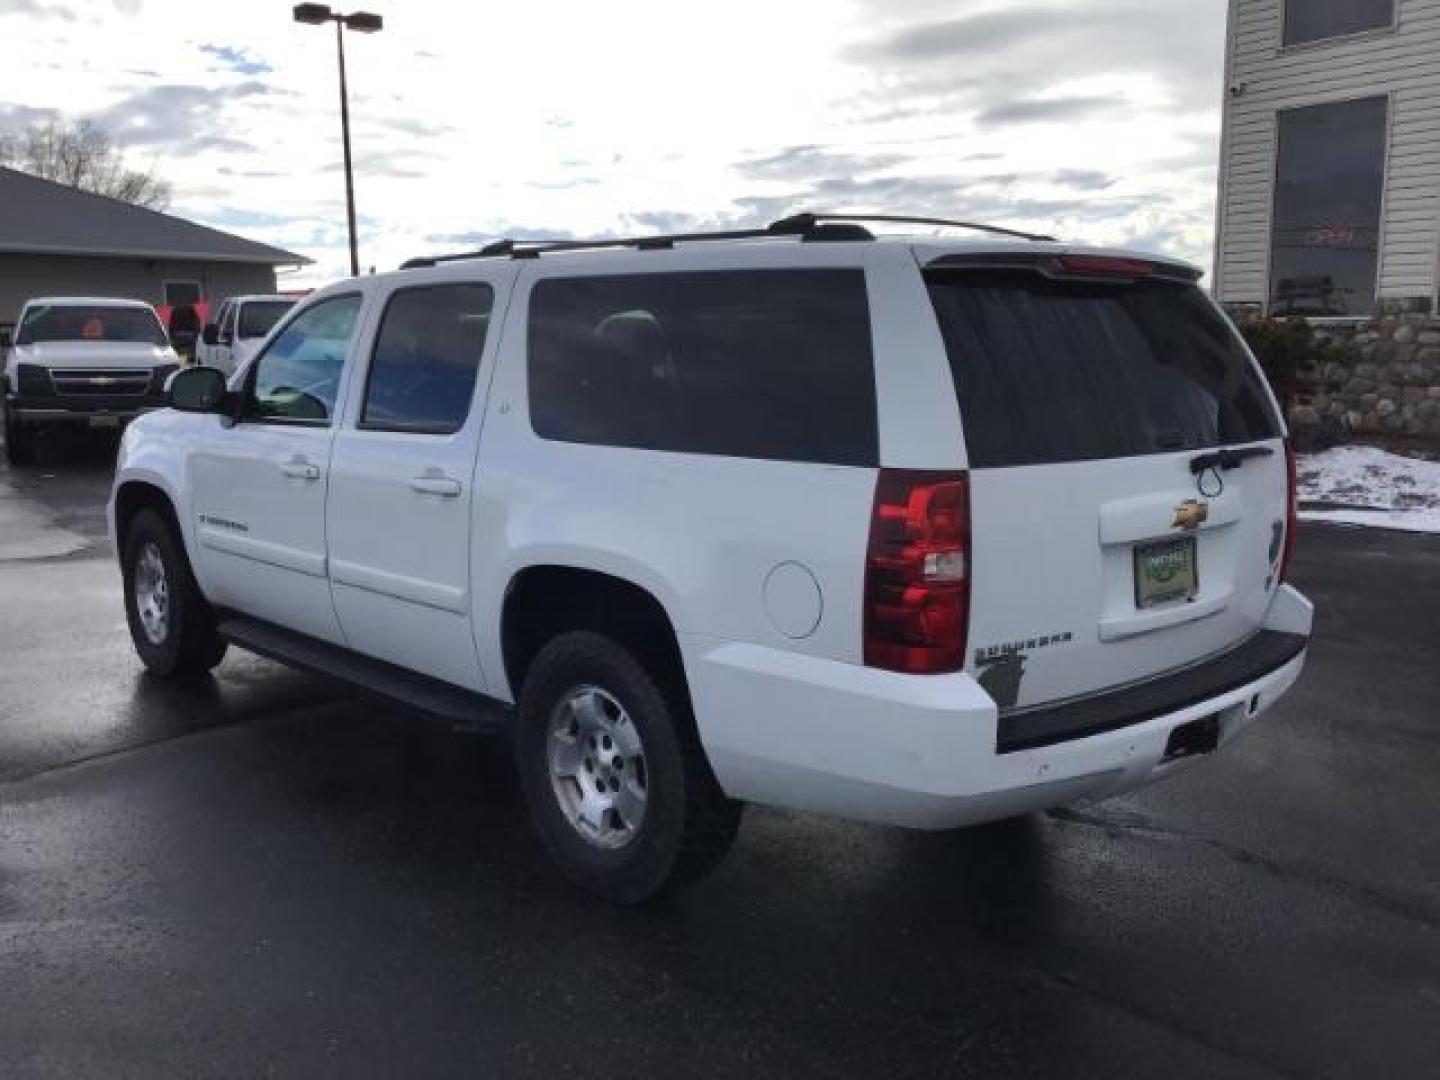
[831,229]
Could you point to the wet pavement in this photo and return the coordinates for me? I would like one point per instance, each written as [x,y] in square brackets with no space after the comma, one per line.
[263,875]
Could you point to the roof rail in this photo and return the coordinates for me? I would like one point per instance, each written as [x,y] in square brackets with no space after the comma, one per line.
[805,226]
[811,220]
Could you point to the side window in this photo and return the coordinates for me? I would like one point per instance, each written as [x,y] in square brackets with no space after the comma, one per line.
[297,377]
[772,364]
[422,372]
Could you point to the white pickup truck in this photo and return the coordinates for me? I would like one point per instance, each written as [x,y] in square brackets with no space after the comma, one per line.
[81,361]
[912,530]
[239,327]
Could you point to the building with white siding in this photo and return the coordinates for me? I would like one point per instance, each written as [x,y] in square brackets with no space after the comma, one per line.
[1329,201]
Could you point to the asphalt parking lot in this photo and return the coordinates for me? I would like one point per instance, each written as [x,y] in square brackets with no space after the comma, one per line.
[263,875]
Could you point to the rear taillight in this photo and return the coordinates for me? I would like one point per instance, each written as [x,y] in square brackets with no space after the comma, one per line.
[1104,266]
[917,572]
[1292,512]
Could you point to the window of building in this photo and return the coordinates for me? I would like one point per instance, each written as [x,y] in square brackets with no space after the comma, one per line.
[422,373]
[770,364]
[1316,20]
[297,377]
[1329,182]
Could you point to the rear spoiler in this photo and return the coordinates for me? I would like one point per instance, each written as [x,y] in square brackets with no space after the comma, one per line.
[1080,266]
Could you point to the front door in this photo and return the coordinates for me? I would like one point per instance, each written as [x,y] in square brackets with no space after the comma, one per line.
[260,486]
[403,475]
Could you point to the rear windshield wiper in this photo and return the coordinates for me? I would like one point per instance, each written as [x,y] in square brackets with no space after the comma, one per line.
[1227,458]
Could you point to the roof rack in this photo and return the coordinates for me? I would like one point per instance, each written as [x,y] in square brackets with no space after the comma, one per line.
[805,226]
[812,219]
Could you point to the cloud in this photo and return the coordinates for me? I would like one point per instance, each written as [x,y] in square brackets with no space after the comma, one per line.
[477,238]
[15,118]
[178,118]
[1053,110]
[1083,179]
[808,161]
[237,60]
[33,9]
[956,38]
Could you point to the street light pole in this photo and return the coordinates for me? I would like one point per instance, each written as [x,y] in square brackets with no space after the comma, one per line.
[345,138]
[365,23]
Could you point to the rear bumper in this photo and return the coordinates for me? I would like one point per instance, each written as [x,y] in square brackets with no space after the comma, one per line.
[835,738]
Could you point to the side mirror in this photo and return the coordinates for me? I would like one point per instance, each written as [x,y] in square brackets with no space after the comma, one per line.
[7,337]
[197,389]
[211,334]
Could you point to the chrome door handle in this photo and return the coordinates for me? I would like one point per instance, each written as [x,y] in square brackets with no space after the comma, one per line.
[444,486]
[301,470]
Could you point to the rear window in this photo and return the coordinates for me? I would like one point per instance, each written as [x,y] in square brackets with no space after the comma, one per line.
[258,316]
[89,322]
[747,363]
[1051,370]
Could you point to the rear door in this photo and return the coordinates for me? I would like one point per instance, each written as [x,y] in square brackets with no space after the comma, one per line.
[403,478]
[1087,389]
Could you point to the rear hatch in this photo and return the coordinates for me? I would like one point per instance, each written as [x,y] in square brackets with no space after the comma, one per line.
[1091,388]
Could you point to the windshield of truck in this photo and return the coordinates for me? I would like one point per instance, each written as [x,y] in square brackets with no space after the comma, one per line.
[89,322]
[258,316]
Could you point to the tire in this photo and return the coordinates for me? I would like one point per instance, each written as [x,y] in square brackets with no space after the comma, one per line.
[19,442]
[681,826]
[175,636]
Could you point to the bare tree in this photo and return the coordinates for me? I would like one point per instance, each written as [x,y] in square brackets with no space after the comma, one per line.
[82,155]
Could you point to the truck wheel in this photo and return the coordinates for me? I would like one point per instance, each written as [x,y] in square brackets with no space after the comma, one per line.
[19,443]
[171,625]
[614,775]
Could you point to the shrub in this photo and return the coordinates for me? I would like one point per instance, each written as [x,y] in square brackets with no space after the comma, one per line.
[1290,355]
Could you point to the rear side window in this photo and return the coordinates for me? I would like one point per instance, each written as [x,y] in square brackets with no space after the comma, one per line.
[770,364]
[422,373]
[1051,370]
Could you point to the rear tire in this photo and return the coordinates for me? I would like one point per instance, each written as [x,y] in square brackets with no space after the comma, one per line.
[171,624]
[19,441]
[616,780]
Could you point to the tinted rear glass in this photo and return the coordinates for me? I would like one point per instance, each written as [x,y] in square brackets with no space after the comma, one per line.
[1052,371]
[90,322]
[747,363]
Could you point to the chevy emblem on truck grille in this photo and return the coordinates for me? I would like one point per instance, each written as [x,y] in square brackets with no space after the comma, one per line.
[1189,514]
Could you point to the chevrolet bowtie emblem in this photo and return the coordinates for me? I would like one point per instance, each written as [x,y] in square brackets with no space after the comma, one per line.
[1189,514]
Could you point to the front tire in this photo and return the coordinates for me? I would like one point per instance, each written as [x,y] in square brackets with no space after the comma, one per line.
[171,625]
[616,781]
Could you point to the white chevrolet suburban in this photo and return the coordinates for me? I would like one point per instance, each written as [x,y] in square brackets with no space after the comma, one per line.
[239,327]
[79,360]
[918,531]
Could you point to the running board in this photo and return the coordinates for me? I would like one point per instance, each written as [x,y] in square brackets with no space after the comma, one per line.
[476,711]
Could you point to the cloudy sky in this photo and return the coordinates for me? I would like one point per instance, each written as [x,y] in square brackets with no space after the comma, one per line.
[1094,119]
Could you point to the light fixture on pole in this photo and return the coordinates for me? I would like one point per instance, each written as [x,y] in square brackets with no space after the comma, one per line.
[366,23]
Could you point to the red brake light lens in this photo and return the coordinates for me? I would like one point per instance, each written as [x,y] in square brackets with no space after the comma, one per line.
[1292,511]
[1104,266]
[917,572]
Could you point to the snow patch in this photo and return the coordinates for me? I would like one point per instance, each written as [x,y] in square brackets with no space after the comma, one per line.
[1369,486]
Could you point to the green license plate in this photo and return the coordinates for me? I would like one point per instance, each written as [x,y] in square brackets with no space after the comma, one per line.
[1165,571]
